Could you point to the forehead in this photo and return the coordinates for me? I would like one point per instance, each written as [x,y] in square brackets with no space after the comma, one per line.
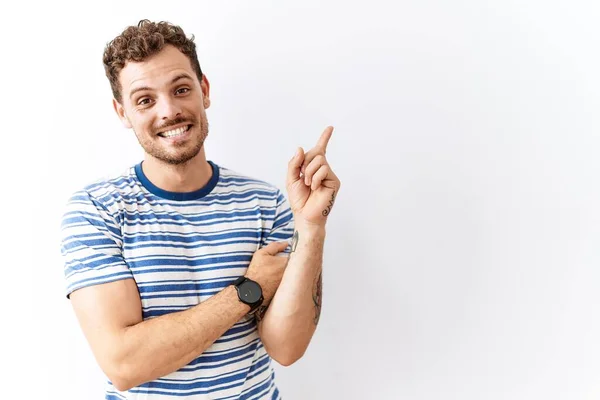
[155,71]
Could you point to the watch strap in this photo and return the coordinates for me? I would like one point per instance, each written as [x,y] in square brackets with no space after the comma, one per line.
[239,280]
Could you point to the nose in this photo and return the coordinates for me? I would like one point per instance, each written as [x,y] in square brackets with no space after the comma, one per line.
[168,109]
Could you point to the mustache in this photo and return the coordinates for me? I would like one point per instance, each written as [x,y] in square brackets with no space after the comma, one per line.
[176,121]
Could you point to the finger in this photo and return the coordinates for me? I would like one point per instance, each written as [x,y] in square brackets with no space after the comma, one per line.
[283,261]
[275,247]
[313,167]
[308,157]
[320,147]
[324,139]
[319,176]
[332,181]
[294,165]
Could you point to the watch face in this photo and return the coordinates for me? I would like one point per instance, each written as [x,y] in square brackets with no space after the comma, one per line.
[250,292]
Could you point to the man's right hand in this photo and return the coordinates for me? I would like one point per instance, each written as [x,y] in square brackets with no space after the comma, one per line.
[267,267]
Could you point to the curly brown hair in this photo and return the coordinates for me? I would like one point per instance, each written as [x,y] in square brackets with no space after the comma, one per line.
[137,43]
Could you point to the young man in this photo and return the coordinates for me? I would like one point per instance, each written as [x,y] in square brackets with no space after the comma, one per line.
[177,269]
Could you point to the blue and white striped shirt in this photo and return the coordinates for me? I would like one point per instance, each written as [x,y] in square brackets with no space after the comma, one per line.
[181,248]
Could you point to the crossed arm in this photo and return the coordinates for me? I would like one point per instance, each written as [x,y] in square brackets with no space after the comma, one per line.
[291,319]
[292,316]
[132,351]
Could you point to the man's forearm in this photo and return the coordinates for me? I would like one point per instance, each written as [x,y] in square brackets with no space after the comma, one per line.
[292,316]
[161,345]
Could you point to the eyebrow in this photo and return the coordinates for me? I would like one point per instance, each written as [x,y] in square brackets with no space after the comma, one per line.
[177,78]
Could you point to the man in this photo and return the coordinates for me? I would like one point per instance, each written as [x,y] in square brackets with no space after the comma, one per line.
[177,269]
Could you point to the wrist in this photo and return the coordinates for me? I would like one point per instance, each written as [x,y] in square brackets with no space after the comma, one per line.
[249,292]
[308,228]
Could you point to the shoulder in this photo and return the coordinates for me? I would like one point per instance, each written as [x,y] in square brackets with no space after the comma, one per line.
[232,180]
[106,192]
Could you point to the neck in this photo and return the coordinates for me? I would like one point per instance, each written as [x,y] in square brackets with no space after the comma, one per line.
[182,178]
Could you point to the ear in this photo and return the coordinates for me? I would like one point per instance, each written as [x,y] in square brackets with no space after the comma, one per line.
[205,85]
[121,113]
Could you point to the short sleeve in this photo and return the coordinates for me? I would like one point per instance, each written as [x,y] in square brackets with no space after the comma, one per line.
[91,244]
[283,224]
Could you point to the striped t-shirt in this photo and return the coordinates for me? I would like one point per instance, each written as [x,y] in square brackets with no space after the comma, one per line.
[181,248]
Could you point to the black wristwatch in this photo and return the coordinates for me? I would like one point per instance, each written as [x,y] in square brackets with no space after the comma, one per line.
[249,292]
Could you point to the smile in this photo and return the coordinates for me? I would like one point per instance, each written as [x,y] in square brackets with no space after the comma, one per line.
[175,132]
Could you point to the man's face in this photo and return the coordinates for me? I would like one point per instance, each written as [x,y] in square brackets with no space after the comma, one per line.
[164,103]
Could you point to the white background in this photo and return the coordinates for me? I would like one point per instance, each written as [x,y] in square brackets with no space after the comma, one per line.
[462,258]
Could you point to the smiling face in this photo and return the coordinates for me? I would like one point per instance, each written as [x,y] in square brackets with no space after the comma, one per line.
[164,103]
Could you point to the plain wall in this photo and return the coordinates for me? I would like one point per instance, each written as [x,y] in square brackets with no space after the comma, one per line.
[462,257]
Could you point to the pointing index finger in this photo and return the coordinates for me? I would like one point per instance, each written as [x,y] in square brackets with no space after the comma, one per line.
[324,139]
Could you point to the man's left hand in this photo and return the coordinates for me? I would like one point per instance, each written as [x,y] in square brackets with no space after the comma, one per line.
[312,185]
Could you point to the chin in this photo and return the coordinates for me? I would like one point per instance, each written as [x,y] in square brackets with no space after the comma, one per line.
[180,157]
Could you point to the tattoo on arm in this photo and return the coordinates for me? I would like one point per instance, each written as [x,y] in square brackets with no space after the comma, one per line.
[317,296]
[260,313]
[329,206]
[295,241]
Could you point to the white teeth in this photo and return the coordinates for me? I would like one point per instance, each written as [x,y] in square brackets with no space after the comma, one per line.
[174,132]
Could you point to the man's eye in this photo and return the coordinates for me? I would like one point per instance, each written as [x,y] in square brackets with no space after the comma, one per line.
[182,90]
[143,102]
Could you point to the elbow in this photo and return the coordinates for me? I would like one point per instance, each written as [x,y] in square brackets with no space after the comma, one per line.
[121,381]
[288,357]
[120,365]
[121,375]
[121,384]
[286,362]
[285,345]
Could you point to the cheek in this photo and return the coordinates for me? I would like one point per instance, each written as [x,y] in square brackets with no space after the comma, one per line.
[201,113]
[142,124]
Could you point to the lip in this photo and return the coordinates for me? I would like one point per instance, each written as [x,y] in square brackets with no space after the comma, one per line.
[181,137]
[170,128]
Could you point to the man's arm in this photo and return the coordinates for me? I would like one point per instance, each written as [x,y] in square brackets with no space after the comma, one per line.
[131,351]
[292,317]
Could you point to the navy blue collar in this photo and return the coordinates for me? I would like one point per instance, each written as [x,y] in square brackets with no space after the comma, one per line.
[179,196]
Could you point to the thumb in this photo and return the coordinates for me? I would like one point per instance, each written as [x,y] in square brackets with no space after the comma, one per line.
[294,166]
[275,247]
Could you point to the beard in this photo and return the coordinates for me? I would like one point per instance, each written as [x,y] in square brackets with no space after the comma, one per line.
[177,153]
